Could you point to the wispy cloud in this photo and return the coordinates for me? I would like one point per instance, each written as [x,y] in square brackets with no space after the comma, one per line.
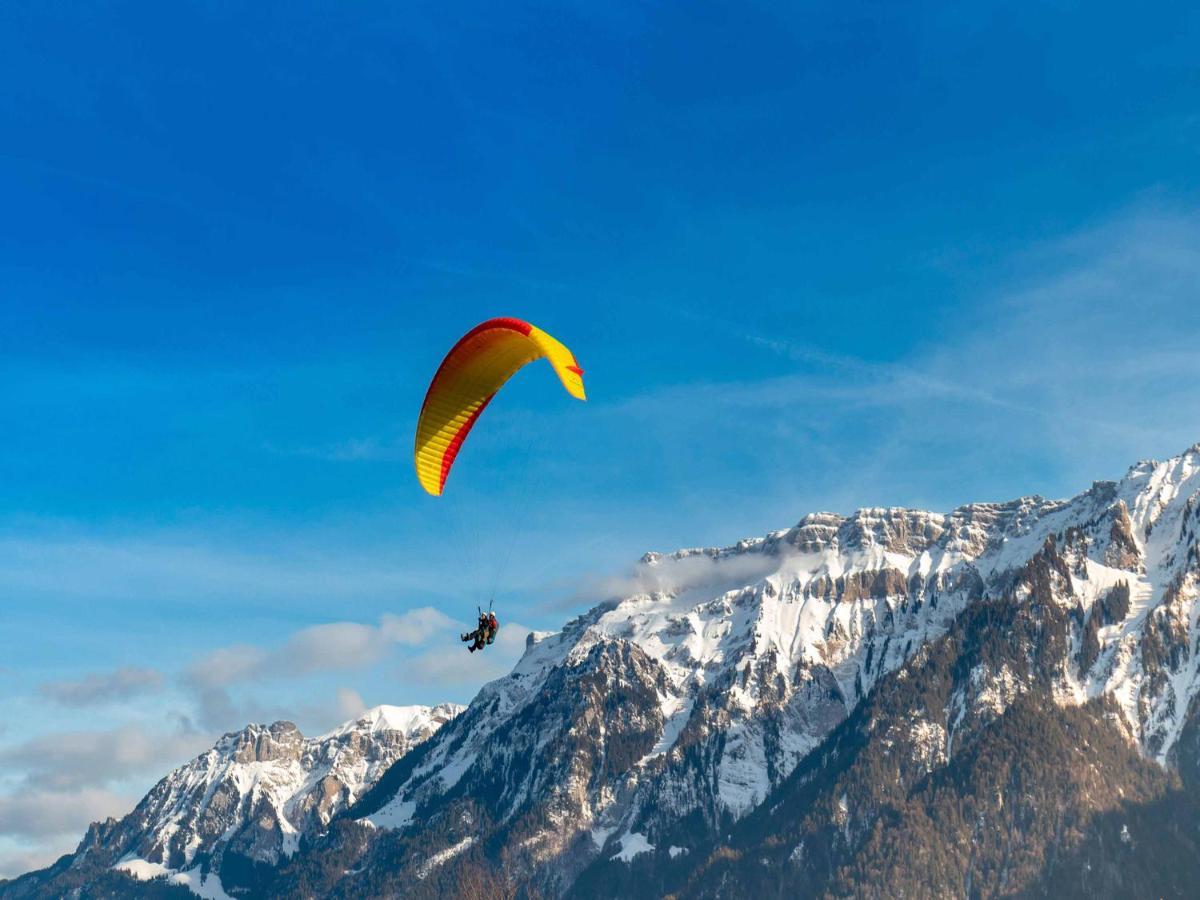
[217,710]
[671,575]
[80,759]
[44,814]
[348,704]
[438,667]
[104,687]
[1080,354]
[55,784]
[319,648]
[30,858]
[366,449]
[333,647]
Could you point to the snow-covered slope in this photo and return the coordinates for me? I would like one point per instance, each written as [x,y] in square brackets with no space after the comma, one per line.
[739,661]
[258,792]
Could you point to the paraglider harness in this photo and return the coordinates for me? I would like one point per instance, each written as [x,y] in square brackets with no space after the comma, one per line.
[485,633]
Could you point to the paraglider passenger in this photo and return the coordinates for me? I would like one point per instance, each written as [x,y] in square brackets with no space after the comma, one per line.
[485,633]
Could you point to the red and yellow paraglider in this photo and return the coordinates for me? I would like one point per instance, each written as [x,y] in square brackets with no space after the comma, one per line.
[470,375]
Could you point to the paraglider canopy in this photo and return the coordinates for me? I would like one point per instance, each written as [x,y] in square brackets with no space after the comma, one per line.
[482,361]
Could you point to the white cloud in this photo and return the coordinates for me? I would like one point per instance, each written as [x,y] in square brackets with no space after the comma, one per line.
[79,759]
[460,668]
[39,814]
[668,574]
[104,687]
[24,858]
[338,645]
[227,665]
[57,784]
[349,704]
[219,710]
[319,648]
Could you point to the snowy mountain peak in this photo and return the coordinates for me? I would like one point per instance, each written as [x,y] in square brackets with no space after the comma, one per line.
[415,722]
[260,743]
[257,793]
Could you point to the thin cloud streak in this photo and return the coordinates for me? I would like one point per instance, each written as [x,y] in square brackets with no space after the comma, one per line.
[81,759]
[437,667]
[312,651]
[42,814]
[319,648]
[17,862]
[99,688]
[670,575]
[1091,351]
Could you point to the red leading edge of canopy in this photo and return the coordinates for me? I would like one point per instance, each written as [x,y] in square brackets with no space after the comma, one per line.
[503,322]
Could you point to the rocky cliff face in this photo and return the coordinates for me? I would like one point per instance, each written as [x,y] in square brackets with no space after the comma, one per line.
[998,680]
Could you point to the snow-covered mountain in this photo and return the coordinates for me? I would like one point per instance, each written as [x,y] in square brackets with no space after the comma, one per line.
[816,679]
[674,712]
[250,800]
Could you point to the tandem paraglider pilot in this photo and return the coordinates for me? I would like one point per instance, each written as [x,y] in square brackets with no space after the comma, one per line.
[485,633]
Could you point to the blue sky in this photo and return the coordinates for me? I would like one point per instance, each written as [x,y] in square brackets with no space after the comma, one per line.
[839,255]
